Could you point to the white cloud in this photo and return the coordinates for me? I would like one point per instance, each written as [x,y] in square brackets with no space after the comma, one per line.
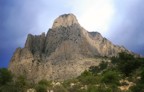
[37,16]
[94,15]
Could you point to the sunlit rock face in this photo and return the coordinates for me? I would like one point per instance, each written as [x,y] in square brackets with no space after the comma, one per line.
[65,21]
[63,53]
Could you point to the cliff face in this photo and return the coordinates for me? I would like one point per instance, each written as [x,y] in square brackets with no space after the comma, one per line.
[64,52]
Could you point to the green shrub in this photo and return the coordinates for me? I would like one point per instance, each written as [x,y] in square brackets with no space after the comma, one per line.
[115,60]
[43,85]
[142,76]
[44,82]
[59,89]
[41,88]
[126,56]
[86,73]
[87,78]
[5,76]
[127,63]
[21,82]
[111,77]
[10,87]
[94,70]
[92,88]
[127,67]
[138,88]
[103,65]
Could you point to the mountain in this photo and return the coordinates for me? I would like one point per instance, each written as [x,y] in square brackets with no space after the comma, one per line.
[63,53]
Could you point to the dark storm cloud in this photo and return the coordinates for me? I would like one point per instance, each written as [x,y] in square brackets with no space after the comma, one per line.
[21,17]
[127,27]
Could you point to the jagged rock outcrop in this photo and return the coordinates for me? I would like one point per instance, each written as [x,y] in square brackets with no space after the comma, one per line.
[65,21]
[64,52]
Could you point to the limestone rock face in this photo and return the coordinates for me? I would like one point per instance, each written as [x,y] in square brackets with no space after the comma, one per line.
[64,52]
[65,21]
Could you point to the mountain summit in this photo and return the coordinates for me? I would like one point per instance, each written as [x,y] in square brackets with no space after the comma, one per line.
[64,52]
[65,21]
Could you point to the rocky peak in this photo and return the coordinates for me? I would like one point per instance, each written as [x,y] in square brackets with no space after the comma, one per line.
[65,20]
[35,43]
[65,52]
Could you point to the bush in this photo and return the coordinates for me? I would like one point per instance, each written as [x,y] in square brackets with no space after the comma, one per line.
[88,78]
[138,88]
[103,65]
[41,88]
[126,63]
[5,76]
[126,56]
[111,77]
[94,70]
[114,60]
[59,89]
[86,73]
[44,82]
[127,67]
[43,85]
[21,83]
[10,88]
[142,76]
[92,88]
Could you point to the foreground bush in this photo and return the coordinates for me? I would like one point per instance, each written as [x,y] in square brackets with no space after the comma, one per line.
[43,85]
[5,76]
[111,77]
[41,88]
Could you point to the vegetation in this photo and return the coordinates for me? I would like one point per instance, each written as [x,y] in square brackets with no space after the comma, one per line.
[106,77]
[41,88]
[5,76]
[6,82]
[43,85]
[111,77]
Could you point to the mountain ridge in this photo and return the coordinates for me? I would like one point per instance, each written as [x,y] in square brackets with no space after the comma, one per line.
[64,52]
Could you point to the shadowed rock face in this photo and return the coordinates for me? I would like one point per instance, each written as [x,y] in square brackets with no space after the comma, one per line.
[64,52]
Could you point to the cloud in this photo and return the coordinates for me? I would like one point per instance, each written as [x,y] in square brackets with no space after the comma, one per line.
[36,16]
[127,27]
[121,21]
[94,15]
[21,17]
[28,16]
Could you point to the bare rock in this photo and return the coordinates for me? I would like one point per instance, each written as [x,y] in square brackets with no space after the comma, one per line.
[63,53]
[65,21]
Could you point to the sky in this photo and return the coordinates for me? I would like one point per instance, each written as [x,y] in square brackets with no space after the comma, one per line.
[120,21]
